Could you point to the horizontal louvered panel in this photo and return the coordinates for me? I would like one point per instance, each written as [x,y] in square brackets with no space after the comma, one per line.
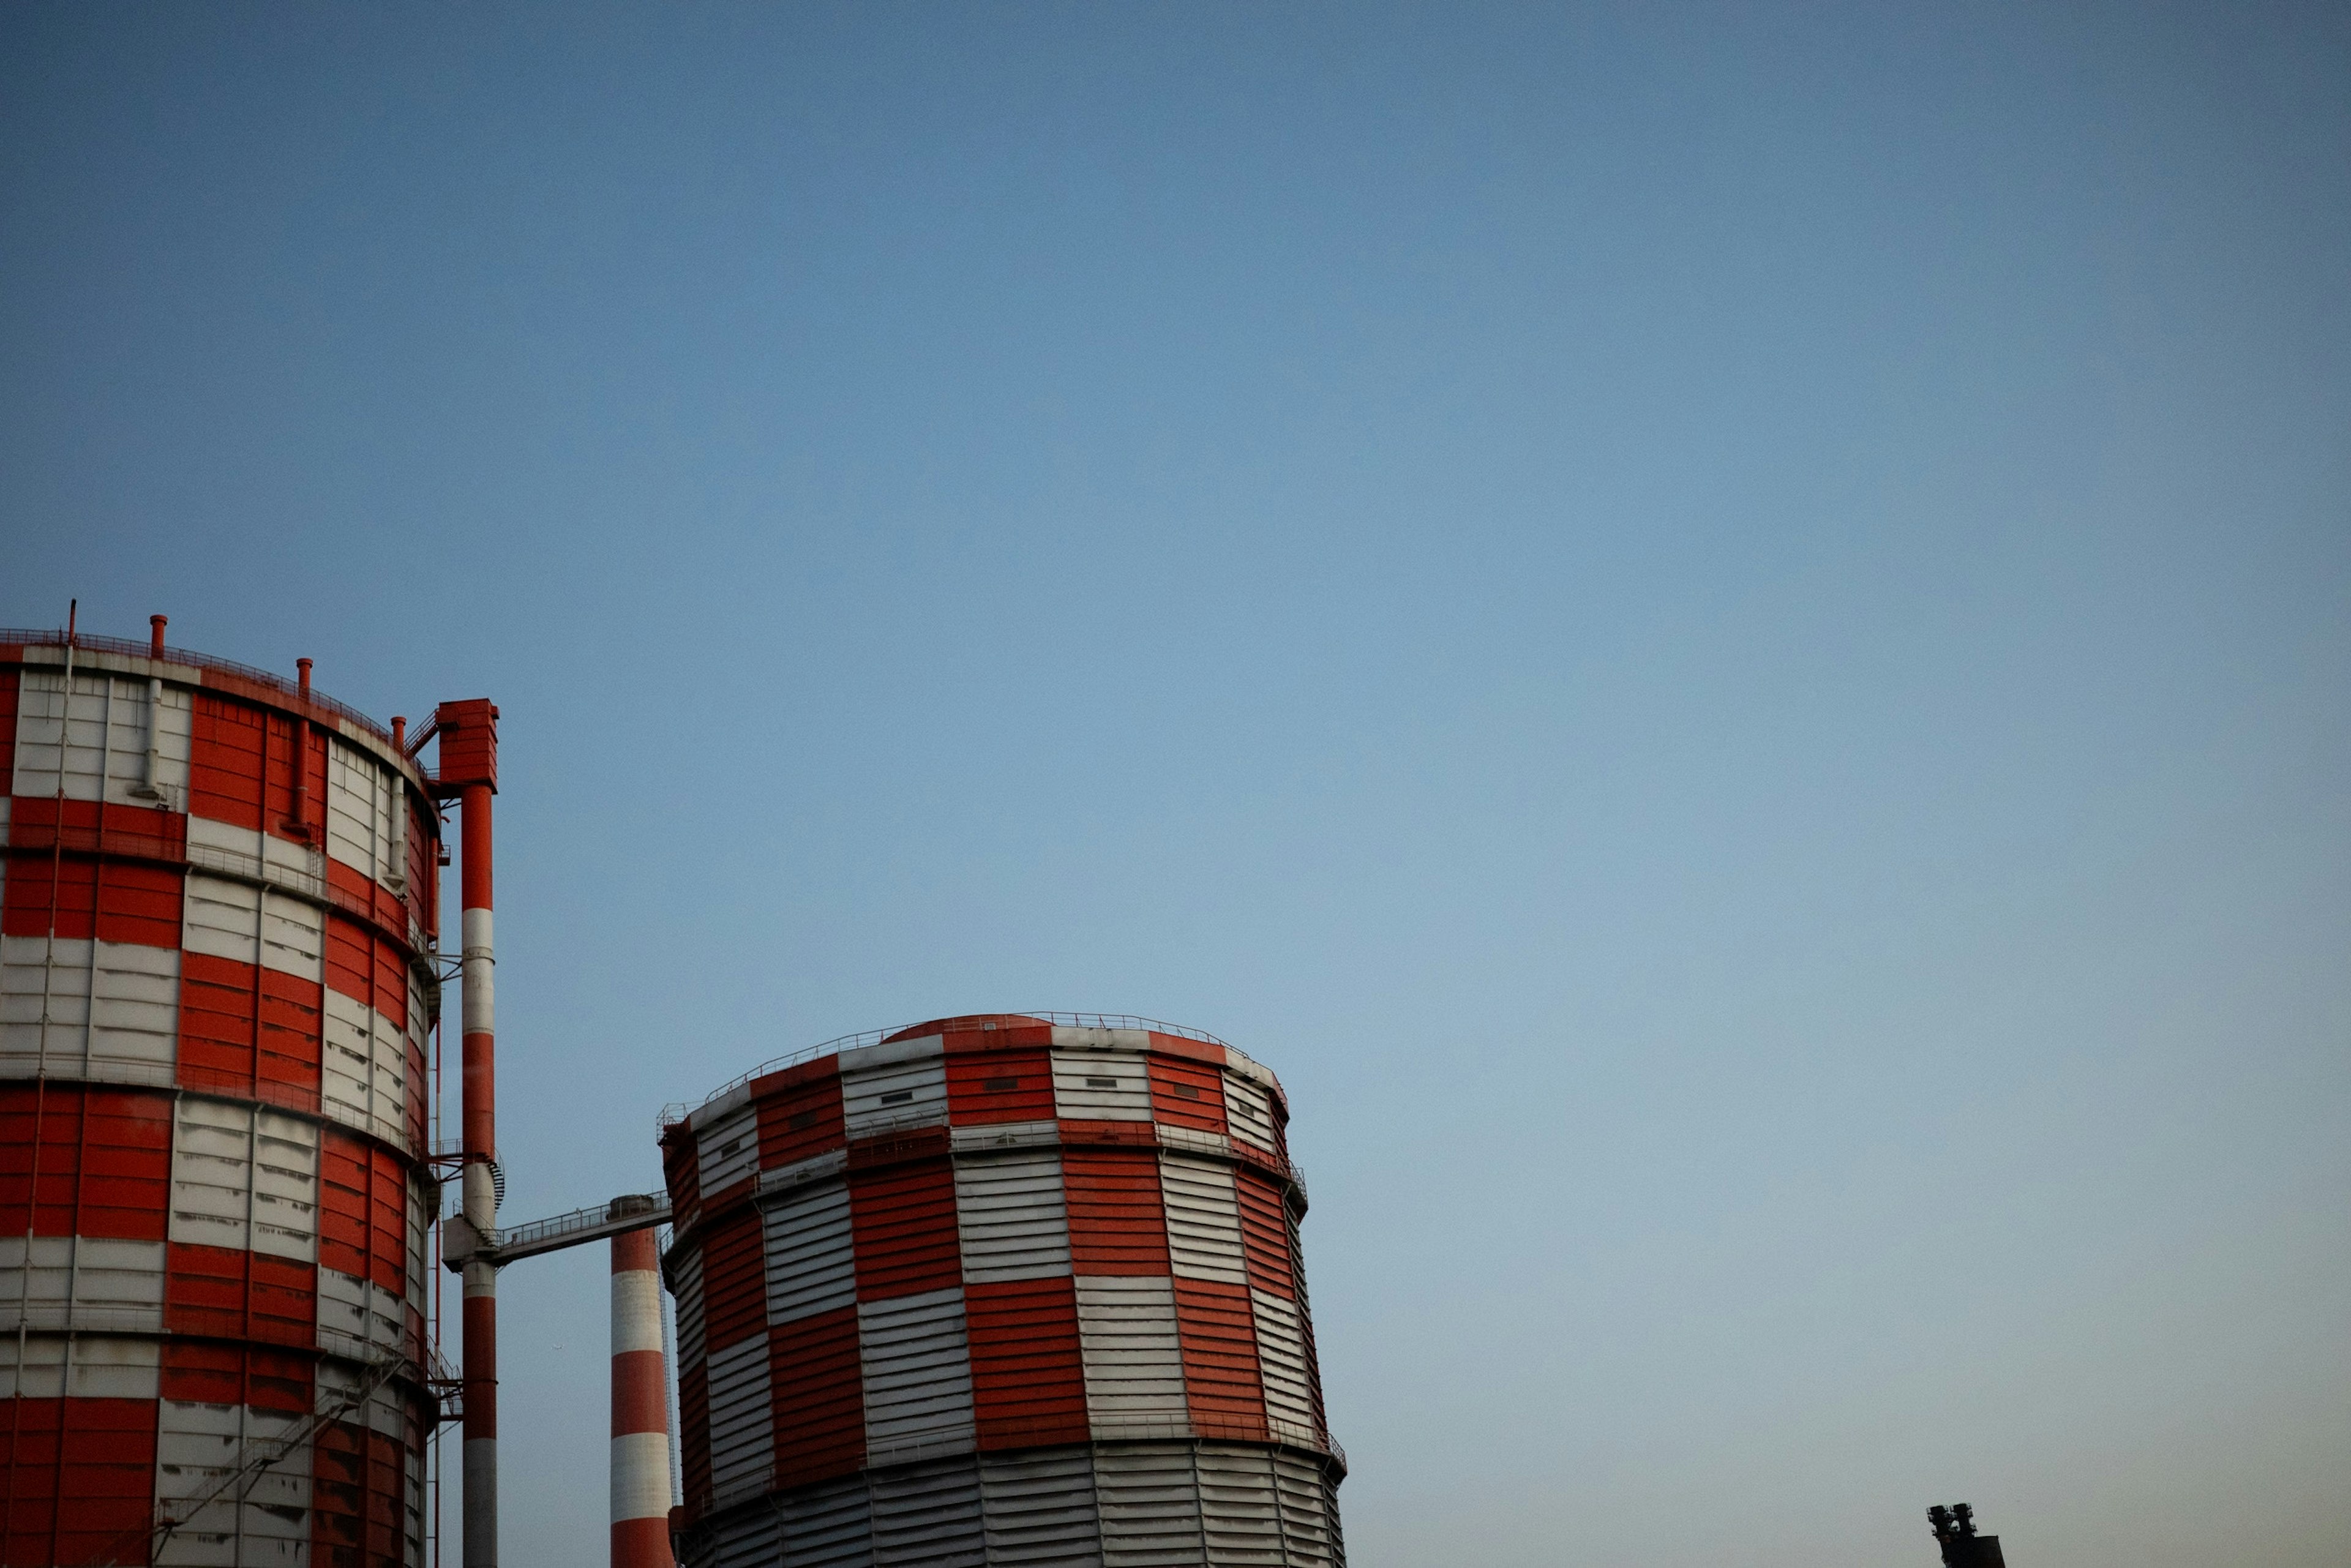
[1101,1086]
[242,1177]
[1150,1506]
[1204,1225]
[1039,1509]
[1265,1233]
[119,1022]
[1010,1218]
[1309,1520]
[1240,1513]
[1282,1367]
[234,1293]
[1028,1373]
[729,1150]
[1221,1368]
[1186,1093]
[1116,1216]
[899,1094]
[928,1516]
[828,1526]
[918,1374]
[811,1266]
[1133,1357]
[742,1420]
[1249,1113]
[819,1397]
[801,1120]
[905,1230]
[985,1088]
[686,1288]
[734,1281]
[745,1537]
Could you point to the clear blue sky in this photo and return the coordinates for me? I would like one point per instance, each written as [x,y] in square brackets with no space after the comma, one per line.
[1722,631]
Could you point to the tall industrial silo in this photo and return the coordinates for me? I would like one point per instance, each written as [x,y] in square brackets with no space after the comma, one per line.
[217,905]
[1002,1289]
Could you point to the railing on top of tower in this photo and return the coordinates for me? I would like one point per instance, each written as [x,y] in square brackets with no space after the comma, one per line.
[678,1111]
[128,648]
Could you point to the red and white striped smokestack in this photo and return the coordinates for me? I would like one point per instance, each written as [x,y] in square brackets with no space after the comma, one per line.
[640,1407]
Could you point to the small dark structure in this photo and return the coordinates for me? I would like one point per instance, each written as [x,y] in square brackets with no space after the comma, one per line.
[1954,1533]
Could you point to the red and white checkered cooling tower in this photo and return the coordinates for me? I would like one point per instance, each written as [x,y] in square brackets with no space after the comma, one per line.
[216,893]
[1014,1287]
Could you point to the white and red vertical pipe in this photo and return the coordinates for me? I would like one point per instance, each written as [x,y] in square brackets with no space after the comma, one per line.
[480,1112]
[640,1407]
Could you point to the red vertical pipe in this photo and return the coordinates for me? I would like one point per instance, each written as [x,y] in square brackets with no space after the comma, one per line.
[639,1408]
[155,624]
[478,1111]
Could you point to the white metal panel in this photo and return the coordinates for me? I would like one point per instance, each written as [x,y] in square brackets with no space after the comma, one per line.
[81,1281]
[101,740]
[250,852]
[1249,1111]
[686,1290]
[800,1173]
[359,1318]
[364,1070]
[106,1009]
[243,1176]
[1150,1506]
[1204,1220]
[1009,1216]
[1282,1367]
[1240,1513]
[1101,1086]
[810,1253]
[292,936]
[221,919]
[727,1150]
[336,1397]
[928,1516]
[54,1366]
[894,1095]
[742,1419]
[828,1526]
[359,809]
[1134,1359]
[420,1227]
[1068,1037]
[1309,1525]
[916,1365]
[1005,1136]
[1039,1509]
[262,1517]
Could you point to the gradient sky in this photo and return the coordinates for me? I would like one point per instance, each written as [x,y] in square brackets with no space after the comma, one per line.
[1722,631]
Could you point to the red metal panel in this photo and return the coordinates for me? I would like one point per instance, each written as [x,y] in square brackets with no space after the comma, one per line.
[903,1219]
[424,868]
[694,1432]
[231,1293]
[1116,1224]
[107,827]
[734,1280]
[1220,1379]
[820,1394]
[800,1118]
[8,677]
[84,1162]
[1011,1031]
[76,1479]
[291,1028]
[1265,1233]
[469,743]
[350,957]
[1187,1094]
[238,1374]
[219,1032]
[1028,1375]
[224,760]
[1188,1049]
[358,1502]
[999,1085]
[113,900]
[679,1173]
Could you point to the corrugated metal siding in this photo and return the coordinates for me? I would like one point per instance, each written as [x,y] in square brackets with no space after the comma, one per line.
[99,736]
[54,1366]
[811,1266]
[1028,1374]
[918,1374]
[1134,1355]
[799,1121]
[88,1465]
[898,1094]
[237,1294]
[685,1289]
[81,1281]
[103,1158]
[1116,1224]
[905,1227]
[819,1397]
[1101,1086]
[729,1150]
[361,795]
[1249,1111]
[241,1025]
[749,1537]
[693,1435]
[1220,1370]
[1204,1222]
[928,1516]
[1010,1216]
[985,1087]
[1150,1504]
[244,1176]
[828,1526]
[742,1420]
[1039,1509]
[1241,1511]
[734,1281]
[75,1005]
[360,1318]
[1281,1364]
[364,1079]
[198,1447]
[1266,1233]
[210,1374]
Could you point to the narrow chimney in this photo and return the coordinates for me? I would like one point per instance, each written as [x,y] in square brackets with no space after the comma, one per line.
[155,636]
[399,733]
[303,667]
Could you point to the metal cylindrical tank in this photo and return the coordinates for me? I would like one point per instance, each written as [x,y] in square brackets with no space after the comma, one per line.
[993,1289]
[217,893]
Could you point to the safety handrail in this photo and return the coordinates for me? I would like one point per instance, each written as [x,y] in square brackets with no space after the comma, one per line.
[128,648]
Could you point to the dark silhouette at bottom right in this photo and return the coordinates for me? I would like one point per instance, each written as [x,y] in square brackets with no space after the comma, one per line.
[1954,1533]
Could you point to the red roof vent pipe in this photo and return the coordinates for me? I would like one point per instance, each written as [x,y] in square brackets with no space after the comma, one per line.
[302,668]
[399,733]
[155,635]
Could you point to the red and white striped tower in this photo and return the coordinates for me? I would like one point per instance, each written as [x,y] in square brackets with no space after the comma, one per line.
[640,1407]
[469,763]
